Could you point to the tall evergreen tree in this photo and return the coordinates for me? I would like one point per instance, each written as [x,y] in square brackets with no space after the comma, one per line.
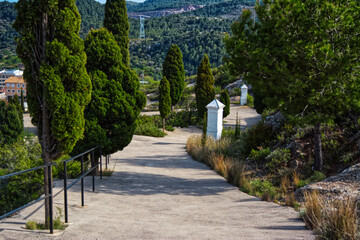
[164,99]
[173,70]
[116,21]
[58,85]
[22,100]
[16,102]
[11,126]
[225,99]
[301,57]
[204,88]
[116,100]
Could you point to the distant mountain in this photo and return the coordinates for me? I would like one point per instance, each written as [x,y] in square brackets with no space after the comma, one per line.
[151,5]
[229,9]
[196,32]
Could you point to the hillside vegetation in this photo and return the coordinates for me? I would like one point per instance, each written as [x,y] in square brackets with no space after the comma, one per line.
[196,33]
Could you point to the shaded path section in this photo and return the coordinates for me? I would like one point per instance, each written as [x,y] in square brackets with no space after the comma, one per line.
[158,192]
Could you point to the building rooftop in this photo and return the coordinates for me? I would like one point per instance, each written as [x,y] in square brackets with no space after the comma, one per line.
[15,80]
[14,72]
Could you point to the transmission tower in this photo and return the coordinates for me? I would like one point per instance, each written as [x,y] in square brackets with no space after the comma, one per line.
[142,28]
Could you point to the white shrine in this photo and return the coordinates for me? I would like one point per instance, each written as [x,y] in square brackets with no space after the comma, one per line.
[244,93]
[214,119]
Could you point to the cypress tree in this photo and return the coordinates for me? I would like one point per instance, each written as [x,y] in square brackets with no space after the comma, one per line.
[164,99]
[58,85]
[173,70]
[116,21]
[16,102]
[225,99]
[204,88]
[116,100]
[22,100]
[11,126]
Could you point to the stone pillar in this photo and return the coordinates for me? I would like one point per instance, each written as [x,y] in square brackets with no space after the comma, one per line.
[214,119]
[244,93]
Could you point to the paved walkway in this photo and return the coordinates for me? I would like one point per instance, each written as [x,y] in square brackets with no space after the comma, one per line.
[158,192]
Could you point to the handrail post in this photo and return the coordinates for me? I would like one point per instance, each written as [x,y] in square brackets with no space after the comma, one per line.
[94,170]
[82,180]
[101,173]
[65,193]
[50,199]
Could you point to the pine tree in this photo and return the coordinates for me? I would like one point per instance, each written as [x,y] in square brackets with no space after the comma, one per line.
[58,85]
[204,88]
[313,77]
[173,70]
[225,99]
[116,21]
[116,100]
[164,99]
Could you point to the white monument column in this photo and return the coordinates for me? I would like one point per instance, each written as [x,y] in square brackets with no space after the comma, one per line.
[244,93]
[214,119]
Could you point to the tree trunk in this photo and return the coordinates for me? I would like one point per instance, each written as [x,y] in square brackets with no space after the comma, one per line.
[318,148]
[163,125]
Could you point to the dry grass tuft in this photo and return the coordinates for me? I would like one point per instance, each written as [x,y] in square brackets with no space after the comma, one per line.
[340,220]
[335,219]
[290,199]
[313,206]
[284,184]
[296,179]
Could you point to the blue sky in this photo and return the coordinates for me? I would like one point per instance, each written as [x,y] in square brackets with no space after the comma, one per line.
[102,1]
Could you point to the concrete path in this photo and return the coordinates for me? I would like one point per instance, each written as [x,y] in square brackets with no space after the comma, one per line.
[158,192]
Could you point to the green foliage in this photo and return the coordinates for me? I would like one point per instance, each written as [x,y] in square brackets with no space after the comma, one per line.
[151,5]
[263,189]
[116,100]
[225,9]
[204,88]
[260,154]
[57,222]
[149,129]
[19,190]
[223,76]
[225,99]
[164,98]
[250,100]
[204,131]
[116,21]
[260,135]
[315,64]
[22,101]
[11,126]
[58,85]
[237,126]
[195,37]
[258,103]
[278,159]
[173,70]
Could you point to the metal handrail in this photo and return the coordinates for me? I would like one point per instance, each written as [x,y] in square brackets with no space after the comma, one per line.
[50,196]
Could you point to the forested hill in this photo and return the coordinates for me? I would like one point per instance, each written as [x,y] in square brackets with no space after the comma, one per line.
[151,5]
[196,35]
[229,9]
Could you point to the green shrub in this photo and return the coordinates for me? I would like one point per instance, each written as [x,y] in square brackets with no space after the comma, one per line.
[260,135]
[19,190]
[250,101]
[149,129]
[278,159]
[259,155]
[263,189]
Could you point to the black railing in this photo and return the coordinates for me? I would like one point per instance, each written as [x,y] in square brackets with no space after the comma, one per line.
[50,195]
